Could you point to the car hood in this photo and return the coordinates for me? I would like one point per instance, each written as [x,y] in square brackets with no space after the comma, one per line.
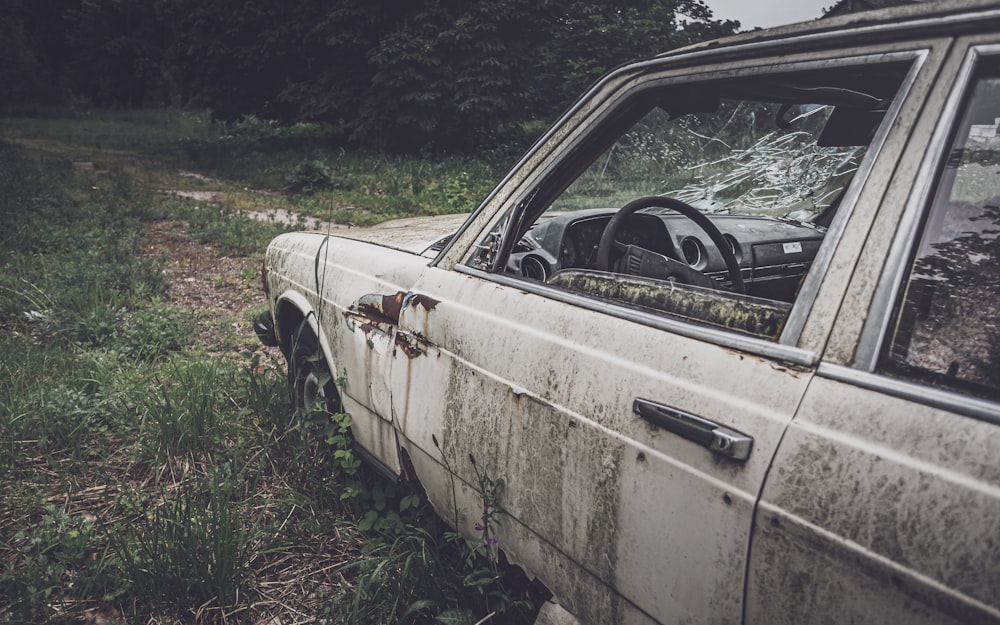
[413,234]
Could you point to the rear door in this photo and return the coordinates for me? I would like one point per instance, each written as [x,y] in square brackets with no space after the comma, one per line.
[883,505]
[633,441]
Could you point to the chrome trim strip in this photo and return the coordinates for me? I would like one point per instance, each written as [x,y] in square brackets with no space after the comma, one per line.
[821,264]
[876,327]
[739,342]
[980,409]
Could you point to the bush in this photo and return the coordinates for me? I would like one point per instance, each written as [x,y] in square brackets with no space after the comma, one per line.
[308,177]
[137,334]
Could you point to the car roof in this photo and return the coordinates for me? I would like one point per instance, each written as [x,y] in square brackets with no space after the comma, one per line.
[936,17]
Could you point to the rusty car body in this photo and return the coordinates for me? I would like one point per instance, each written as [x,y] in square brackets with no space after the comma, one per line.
[728,330]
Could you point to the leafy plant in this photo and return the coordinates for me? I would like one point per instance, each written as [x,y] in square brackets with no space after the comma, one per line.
[490,489]
[459,192]
[145,333]
[67,415]
[486,575]
[48,553]
[308,177]
[489,587]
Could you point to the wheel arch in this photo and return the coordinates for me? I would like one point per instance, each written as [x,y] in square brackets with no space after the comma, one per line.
[291,310]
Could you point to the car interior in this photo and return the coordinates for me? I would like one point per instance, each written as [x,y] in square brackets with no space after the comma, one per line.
[706,200]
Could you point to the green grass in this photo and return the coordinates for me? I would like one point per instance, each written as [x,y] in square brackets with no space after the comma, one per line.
[259,166]
[195,553]
[147,477]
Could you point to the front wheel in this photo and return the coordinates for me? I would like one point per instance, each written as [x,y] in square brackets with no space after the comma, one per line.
[310,383]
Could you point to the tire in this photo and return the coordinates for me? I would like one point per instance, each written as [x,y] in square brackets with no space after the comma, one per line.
[310,383]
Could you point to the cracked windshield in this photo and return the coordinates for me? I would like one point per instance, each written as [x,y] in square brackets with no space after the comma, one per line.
[745,157]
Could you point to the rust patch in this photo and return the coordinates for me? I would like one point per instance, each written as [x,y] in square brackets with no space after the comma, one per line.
[384,308]
[374,312]
[790,368]
[412,344]
[418,299]
[368,323]
[388,308]
[781,366]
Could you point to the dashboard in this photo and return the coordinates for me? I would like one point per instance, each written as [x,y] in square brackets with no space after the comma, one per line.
[773,254]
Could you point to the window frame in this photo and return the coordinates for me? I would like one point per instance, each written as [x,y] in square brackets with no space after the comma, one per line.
[786,347]
[877,331]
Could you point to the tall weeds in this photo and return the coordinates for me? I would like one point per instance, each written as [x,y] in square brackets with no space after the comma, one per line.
[185,412]
[146,479]
[193,554]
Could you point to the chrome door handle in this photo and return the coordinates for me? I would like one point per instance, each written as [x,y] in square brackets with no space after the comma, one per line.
[717,438]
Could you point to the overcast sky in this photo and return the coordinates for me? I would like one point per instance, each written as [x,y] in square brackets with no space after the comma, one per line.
[765,13]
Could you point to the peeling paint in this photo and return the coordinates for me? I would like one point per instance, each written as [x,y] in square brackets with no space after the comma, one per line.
[368,324]
[424,301]
[389,308]
[412,344]
[382,313]
[780,366]
[381,307]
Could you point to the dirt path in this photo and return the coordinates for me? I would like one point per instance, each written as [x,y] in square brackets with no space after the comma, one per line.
[224,292]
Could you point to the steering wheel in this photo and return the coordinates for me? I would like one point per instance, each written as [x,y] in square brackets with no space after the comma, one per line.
[670,268]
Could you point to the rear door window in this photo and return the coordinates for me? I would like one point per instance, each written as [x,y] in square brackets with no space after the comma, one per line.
[946,331]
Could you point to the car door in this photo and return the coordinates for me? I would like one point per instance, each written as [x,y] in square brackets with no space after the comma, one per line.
[633,441]
[883,505]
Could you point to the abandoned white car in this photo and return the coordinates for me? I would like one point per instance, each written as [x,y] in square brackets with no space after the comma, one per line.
[729,330]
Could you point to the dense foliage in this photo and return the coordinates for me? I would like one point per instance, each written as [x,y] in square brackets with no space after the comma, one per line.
[450,74]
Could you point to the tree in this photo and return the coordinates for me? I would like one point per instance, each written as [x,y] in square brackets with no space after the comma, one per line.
[117,46]
[451,76]
[232,56]
[33,51]
[591,38]
[440,74]
[456,75]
